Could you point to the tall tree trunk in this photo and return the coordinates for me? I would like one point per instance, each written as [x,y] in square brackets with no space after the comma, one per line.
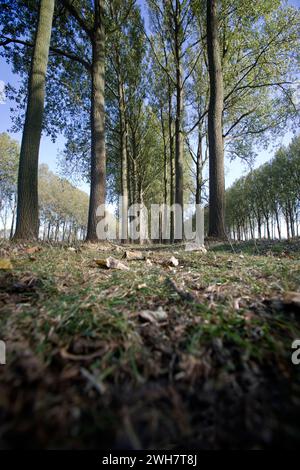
[98,156]
[48,230]
[215,127]
[135,169]
[63,230]
[144,236]
[129,180]
[13,218]
[171,145]
[278,224]
[134,179]
[179,118]
[27,207]
[165,156]
[199,164]
[56,231]
[259,226]
[124,163]
[164,215]
[179,141]
[286,216]
[268,228]
[251,229]
[4,219]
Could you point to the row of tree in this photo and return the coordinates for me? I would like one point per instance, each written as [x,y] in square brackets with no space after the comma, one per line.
[144,108]
[266,202]
[9,156]
[63,208]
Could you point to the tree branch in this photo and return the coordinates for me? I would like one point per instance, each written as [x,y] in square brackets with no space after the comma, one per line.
[198,121]
[159,62]
[238,121]
[68,4]
[53,51]
[123,19]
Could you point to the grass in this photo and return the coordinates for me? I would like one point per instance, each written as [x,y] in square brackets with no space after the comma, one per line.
[86,370]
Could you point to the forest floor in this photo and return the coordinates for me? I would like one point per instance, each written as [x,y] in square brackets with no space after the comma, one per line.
[157,356]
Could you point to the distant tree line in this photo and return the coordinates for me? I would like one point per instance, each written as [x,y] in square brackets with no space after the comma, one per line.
[63,209]
[266,202]
[9,156]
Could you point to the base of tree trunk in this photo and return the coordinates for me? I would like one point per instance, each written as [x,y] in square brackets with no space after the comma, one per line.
[216,237]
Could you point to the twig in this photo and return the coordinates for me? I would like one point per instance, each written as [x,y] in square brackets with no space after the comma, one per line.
[184,295]
[92,380]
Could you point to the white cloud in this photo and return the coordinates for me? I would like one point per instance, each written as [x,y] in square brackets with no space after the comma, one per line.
[2,92]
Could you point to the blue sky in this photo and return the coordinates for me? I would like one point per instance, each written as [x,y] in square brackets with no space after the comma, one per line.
[49,150]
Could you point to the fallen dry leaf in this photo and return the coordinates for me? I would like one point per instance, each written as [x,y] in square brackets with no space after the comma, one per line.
[5,264]
[193,367]
[154,316]
[134,255]
[173,261]
[211,288]
[111,263]
[33,249]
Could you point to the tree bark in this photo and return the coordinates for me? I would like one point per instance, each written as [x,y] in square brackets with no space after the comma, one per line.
[171,146]
[124,176]
[199,165]
[48,231]
[179,116]
[13,218]
[215,127]
[165,156]
[27,207]
[98,155]
[123,154]
[164,215]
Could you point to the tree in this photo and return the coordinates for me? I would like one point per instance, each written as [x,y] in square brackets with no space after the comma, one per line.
[63,208]
[172,23]
[215,127]
[92,24]
[98,157]
[224,68]
[96,35]
[258,204]
[78,49]
[257,43]
[125,93]
[9,157]
[27,207]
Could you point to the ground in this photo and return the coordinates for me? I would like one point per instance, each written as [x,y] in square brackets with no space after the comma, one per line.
[158,356]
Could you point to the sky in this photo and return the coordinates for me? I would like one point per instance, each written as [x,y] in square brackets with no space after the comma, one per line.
[49,151]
